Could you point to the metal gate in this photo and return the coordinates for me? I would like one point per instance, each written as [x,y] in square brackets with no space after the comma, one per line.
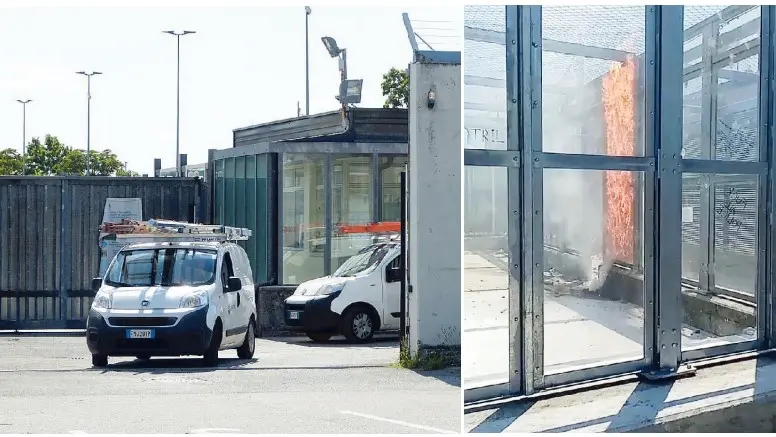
[48,240]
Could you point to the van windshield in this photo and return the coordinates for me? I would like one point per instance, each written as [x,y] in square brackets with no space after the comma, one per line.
[162,267]
[364,261]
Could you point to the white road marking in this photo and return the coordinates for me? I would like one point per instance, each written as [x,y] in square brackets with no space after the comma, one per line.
[78,431]
[213,430]
[399,422]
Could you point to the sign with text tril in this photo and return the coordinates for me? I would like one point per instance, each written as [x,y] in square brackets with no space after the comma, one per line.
[116,210]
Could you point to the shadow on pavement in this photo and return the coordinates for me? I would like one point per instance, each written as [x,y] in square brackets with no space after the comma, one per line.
[173,365]
[451,376]
[386,342]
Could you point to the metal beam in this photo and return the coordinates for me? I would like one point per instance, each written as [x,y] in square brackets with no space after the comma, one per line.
[549,45]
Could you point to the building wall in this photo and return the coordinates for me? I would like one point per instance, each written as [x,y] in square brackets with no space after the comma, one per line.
[434,223]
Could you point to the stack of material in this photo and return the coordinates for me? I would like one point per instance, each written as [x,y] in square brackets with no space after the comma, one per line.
[126,227]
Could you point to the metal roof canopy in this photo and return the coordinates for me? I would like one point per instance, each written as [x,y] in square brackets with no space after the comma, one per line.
[361,125]
[350,148]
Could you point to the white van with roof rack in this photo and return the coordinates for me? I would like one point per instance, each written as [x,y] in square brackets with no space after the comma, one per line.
[174,289]
[362,297]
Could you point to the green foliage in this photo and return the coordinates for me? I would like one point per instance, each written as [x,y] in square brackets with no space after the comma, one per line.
[396,88]
[10,162]
[52,157]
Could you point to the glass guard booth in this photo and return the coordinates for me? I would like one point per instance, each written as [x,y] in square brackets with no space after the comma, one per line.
[311,203]
[617,191]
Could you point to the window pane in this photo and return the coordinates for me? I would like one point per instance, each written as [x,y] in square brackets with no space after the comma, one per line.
[390,169]
[592,89]
[719,259]
[485,123]
[721,84]
[485,277]
[351,206]
[303,218]
[593,282]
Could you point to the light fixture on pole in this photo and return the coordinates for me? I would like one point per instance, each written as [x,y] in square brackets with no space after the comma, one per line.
[88,118]
[307,12]
[24,134]
[349,90]
[178,36]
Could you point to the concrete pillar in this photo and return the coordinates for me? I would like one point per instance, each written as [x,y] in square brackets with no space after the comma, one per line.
[434,213]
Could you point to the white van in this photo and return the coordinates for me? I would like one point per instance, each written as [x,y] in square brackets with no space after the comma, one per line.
[174,298]
[361,297]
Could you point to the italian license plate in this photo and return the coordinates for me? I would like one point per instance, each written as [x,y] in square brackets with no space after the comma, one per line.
[140,333]
[293,315]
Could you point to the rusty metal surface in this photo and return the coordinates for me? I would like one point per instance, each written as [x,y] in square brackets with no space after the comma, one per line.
[48,239]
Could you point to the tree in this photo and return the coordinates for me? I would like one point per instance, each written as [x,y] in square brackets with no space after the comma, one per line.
[10,162]
[43,159]
[396,88]
[52,157]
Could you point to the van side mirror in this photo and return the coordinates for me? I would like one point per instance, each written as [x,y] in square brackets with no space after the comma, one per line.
[393,275]
[96,284]
[233,284]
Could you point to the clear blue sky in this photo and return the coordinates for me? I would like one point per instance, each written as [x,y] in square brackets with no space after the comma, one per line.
[244,66]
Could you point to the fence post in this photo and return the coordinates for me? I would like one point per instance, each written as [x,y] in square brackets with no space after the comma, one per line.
[64,270]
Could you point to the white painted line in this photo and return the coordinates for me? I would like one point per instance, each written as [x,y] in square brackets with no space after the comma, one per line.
[213,430]
[78,431]
[399,422]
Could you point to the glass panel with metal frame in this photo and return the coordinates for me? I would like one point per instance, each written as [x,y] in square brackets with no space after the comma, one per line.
[722,209]
[303,236]
[485,277]
[593,100]
[351,206]
[390,168]
[485,103]
[485,223]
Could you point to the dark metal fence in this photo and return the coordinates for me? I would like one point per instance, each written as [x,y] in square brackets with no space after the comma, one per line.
[48,239]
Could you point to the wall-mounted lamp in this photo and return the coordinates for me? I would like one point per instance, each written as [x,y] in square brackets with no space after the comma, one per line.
[431,98]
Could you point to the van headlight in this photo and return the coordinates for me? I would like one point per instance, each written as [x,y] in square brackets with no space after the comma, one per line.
[329,289]
[102,300]
[194,300]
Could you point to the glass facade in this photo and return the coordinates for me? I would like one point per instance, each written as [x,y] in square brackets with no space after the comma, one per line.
[320,208]
[304,227]
[614,227]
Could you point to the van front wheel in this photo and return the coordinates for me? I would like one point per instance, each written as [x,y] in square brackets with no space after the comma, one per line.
[358,325]
[210,359]
[99,360]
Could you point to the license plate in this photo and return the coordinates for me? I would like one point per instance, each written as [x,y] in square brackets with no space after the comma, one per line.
[293,315]
[140,333]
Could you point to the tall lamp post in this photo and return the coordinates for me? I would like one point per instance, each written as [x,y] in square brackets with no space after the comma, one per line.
[307,12]
[88,117]
[24,134]
[178,36]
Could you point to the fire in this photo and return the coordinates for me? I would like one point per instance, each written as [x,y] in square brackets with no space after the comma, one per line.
[619,98]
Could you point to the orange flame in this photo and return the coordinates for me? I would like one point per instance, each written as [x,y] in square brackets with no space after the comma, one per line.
[619,96]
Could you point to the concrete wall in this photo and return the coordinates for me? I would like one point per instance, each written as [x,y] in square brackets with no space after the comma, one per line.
[269,306]
[434,213]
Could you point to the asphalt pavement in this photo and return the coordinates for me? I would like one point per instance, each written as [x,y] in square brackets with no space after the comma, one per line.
[48,386]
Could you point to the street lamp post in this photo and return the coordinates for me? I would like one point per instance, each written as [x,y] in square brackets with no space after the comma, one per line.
[24,134]
[307,11]
[178,110]
[88,118]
